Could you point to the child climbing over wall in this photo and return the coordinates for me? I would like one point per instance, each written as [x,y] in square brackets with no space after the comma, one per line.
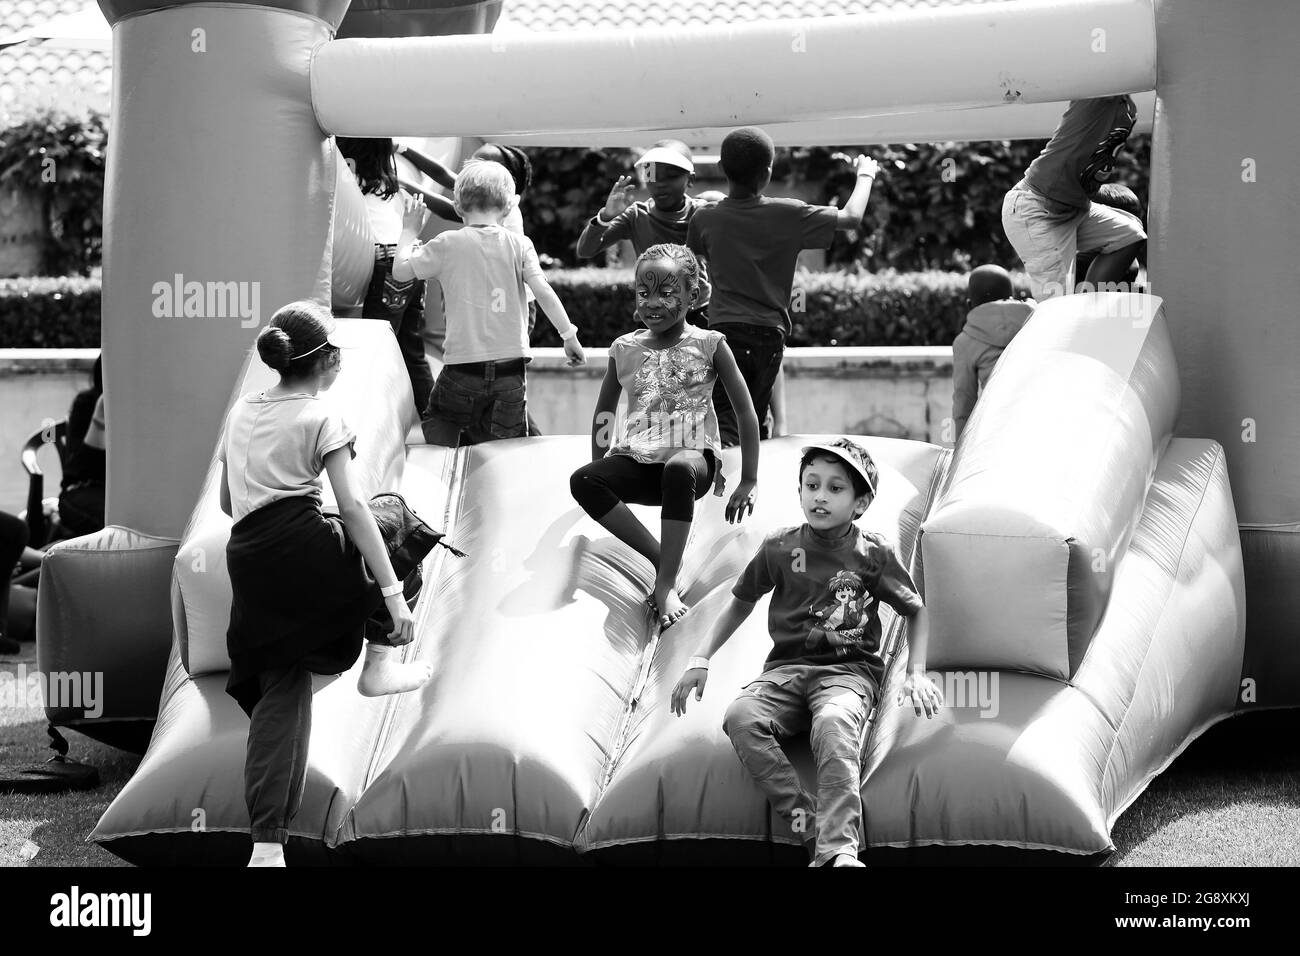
[484,269]
[667,451]
[994,318]
[1050,216]
[751,244]
[828,578]
[305,585]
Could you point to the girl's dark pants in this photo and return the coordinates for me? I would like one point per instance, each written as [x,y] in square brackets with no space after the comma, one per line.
[402,304]
[275,765]
[676,484]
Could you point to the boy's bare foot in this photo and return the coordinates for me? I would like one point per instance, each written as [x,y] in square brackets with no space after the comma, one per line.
[383,673]
[670,606]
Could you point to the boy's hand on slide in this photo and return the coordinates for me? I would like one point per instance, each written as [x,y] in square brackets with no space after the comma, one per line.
[694,679]
[413,212]
[403,631]
[742,500]
[924,693]
[620,197]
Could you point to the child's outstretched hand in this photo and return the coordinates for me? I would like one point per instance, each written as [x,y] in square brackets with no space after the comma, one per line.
[863,165]
[620,197]
[694,679]
[742,500]
[413,213]
[573,349]
[925,694]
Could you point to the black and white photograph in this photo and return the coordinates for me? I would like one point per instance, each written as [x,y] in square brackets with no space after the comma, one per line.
[648,435]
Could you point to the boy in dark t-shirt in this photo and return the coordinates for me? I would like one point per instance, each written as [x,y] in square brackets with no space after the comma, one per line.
[751,244]
[1050,216]
[828,578]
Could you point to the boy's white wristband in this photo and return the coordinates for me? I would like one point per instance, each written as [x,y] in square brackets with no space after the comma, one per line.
[571,334]
[392,589]
[602,222]
[700,662]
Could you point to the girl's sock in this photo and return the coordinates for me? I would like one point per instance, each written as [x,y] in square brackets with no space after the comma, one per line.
[267,854]
[383,673]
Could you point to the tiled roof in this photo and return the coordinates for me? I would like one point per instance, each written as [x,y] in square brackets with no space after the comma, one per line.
[543,15]
[32,74]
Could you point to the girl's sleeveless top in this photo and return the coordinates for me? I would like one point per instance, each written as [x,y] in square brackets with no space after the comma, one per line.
[669,396]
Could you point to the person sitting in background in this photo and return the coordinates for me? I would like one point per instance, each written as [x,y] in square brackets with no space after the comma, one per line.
[13,540]
[1116,196]
[994,318]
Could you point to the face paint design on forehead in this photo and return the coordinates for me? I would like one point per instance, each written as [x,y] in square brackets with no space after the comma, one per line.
[652,278]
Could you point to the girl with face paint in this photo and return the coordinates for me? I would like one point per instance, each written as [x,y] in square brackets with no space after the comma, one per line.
[665,450]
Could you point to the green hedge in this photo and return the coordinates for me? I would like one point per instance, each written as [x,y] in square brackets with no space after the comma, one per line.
[838,308]
[59,312]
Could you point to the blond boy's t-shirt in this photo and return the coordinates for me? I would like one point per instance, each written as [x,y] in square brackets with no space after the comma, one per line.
[275,447]
[482,269]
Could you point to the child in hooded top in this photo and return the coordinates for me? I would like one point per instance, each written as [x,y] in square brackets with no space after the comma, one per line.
[828,578]
[667,452]
[994,318]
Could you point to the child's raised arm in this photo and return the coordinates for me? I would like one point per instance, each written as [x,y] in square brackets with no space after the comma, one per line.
[601,232]
[742,498]
[602,420]
[850,216]
[413,215]
[439,173]
[697,669]
[440,206]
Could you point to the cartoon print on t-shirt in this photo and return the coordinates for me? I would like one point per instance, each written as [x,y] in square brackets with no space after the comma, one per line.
[842,616]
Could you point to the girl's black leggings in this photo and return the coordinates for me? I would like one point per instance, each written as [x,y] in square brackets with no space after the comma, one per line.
[675,484]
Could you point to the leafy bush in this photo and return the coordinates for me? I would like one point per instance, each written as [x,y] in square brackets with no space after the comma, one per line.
[829,308]
[59,312]
[60,157]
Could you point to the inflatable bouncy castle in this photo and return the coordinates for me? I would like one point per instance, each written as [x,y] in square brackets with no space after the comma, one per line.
[1119,501]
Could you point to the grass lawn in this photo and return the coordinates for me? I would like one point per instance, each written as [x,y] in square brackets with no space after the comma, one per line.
[1232,799]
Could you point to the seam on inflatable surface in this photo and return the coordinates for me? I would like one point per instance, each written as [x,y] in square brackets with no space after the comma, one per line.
[455,466]
[1146,654]
[261,8]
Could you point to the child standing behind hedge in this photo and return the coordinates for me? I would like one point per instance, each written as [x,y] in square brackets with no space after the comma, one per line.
[752,244]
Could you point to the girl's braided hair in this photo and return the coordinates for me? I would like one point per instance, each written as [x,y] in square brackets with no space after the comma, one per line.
[680,255]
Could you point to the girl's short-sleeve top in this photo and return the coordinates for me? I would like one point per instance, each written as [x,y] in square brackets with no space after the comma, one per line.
[275,447]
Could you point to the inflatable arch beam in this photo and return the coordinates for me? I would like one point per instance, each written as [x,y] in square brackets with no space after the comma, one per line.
[1017,121]
[758,73]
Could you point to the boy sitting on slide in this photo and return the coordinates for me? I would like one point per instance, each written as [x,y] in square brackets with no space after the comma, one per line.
[824,673]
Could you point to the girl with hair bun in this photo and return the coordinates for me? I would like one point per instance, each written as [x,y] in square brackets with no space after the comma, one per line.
[304,583]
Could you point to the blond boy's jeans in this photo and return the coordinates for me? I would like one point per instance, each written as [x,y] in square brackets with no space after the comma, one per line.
[832,702]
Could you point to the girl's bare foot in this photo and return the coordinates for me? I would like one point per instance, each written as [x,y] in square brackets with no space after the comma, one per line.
[383,673]
[671,608]
[267,854]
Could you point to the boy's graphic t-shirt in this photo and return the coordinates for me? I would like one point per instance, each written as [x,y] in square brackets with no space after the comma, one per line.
[825,606]
[275,448]
[1081,153]
[752,247]
[482,269]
